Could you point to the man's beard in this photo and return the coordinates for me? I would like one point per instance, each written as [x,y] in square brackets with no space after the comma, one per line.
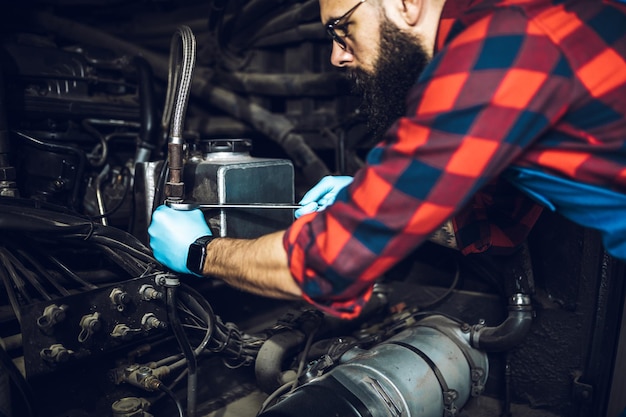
[401,59]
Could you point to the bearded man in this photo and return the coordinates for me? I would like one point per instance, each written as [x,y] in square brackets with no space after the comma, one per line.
[477,98]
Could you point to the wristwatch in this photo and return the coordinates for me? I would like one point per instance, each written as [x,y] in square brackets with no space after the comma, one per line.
[197,254]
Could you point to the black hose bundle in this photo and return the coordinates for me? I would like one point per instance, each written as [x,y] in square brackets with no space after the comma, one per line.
[38,247]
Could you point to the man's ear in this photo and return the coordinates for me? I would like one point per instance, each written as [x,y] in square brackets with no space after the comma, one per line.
[412,11]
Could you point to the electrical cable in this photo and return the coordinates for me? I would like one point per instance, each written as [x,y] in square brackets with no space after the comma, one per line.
[26,273]
[304,354]
[445,295]
[170,394]
[183,341]
[278,392]
[11,294]
[69,273]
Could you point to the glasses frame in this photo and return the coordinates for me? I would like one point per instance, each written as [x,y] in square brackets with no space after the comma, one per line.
[330,27]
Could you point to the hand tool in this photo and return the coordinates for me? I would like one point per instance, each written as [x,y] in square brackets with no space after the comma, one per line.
[193,205]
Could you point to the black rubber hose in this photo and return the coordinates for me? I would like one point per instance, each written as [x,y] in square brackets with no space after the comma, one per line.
[271,358]
[26,215]
[149,131]
[510,333]
[201,307]
[246,32]
[183,342]
[276,127]
[518,286]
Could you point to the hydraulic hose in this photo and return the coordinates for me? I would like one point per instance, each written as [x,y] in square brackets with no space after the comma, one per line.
[148,135]
[181,65]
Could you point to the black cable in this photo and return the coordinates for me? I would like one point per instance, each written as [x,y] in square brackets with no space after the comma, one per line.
[183,341]
[11,293]
[170,394]
[18,266]
[202,307]
[42,272]
[68,272]
[160,184]
[445,295]
[20,286]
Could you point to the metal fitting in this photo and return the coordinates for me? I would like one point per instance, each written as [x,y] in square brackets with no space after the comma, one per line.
[56,353]
[51,315]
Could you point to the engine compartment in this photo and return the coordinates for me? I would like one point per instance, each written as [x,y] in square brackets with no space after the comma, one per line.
[92,325]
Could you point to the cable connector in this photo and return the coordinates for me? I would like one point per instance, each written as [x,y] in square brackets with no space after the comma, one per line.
[141,376]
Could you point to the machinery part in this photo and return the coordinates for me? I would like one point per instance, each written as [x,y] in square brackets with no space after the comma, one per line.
[51,315]
[141,376]
[179,83]
[272,355]
[224,172]
[56,353]
[510,332]
[427,370]
[131,407]
[191,206]
[89,324]
[119,298]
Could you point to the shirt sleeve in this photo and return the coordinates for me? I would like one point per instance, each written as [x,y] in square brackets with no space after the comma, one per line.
[487,95]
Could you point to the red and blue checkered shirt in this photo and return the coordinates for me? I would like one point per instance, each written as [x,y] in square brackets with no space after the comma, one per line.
[532,83]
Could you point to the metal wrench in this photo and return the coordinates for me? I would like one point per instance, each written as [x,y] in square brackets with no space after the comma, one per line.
[193,205]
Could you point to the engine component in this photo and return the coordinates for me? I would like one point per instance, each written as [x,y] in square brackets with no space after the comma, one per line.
[131,407]
[509,333]
[223,172]
[92,323]
[426,370]
[179,77]
[226,173]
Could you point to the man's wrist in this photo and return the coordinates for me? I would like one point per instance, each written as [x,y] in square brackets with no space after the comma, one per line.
[196,255]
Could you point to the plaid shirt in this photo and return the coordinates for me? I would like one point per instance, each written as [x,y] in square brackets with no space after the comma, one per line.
[534,83]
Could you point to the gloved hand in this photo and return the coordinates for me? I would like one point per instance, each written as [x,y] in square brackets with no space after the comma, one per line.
[172,231]
[323,194]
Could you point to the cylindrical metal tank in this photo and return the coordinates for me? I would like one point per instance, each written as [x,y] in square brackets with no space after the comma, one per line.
[429,370]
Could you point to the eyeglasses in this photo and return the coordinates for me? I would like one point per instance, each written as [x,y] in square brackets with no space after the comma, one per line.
[338,33]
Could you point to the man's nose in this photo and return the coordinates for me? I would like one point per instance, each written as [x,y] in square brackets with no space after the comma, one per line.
[340,57]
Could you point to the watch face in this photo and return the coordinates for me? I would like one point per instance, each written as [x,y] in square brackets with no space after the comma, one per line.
[195,257]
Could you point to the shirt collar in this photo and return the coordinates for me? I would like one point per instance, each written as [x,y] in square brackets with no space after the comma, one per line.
[452,10]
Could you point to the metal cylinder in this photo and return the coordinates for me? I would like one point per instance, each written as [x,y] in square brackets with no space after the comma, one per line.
[427,370]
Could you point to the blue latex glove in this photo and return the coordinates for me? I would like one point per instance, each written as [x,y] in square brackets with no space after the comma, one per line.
[323,194]
[172,231]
